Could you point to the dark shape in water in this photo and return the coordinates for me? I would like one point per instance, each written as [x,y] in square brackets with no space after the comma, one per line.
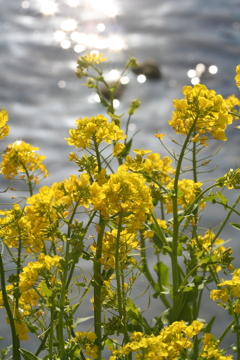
[149,68]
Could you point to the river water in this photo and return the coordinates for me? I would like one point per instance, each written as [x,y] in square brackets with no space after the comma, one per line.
[41,40]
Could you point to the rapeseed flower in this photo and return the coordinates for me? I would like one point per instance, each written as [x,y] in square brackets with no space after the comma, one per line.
[169,344]
[237,77]
[92,130]
[4,128]
[21,159]
[188,190]
[202,112]
[159,169]
[125,193]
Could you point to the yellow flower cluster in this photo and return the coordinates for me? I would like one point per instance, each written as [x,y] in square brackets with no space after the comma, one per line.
[94,58]
[29,296]
[86,340]
[95,130]
[49,205]
[231,179]
[229,290]
[127,242]
[169,344]
[126,194]
[86,61]
[220,255]
[210,350]
[202,112]
[188,191]
[30,274]
[21,158]
[4,128]
[18,314]
[237,77]
[159,169]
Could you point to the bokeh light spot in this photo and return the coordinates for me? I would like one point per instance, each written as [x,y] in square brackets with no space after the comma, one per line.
[65,44]
[213,69]
[62,84]
[49,8]
[125,80]
[191,73]
[195,80]
[116,103]
[25,4]
[73,3]
[141,78]
[79,48]
[59,35]
[101,27]
[69,25]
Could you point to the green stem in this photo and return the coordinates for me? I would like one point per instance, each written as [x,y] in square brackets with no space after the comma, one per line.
[51,335]
[62,302]
[15,340]
[237,334]
[176,223]
[118,273]
[97,286]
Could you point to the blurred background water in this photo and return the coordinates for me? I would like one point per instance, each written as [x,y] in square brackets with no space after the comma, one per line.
[40,41]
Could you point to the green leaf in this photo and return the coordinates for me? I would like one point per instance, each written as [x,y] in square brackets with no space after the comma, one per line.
[207,198]
[132,310]
[222,198]
[157,241]
[28,355]
[186,314]
[208,328]
[127,149]
[235,225]
[167,316]
[46,291]
[162,271]
[81,320]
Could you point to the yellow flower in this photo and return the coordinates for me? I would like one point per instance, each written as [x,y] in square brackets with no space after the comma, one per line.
[21,158]
[194,328]
[237,77]
[188,192]
[94,58]
[118,148]
[4,128]
[86,61]
[159,136]
[201,111]
[94,130]
[155,166]
[142,152]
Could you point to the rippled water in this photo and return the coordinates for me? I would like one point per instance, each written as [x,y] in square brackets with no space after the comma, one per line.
[39,88]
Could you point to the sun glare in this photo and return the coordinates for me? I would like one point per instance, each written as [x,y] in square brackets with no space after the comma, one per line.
[105,6]
[48,7]
[69,25]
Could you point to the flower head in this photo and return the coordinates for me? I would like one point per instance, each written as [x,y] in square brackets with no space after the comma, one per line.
[201,112]
[22,159]
[4,128]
